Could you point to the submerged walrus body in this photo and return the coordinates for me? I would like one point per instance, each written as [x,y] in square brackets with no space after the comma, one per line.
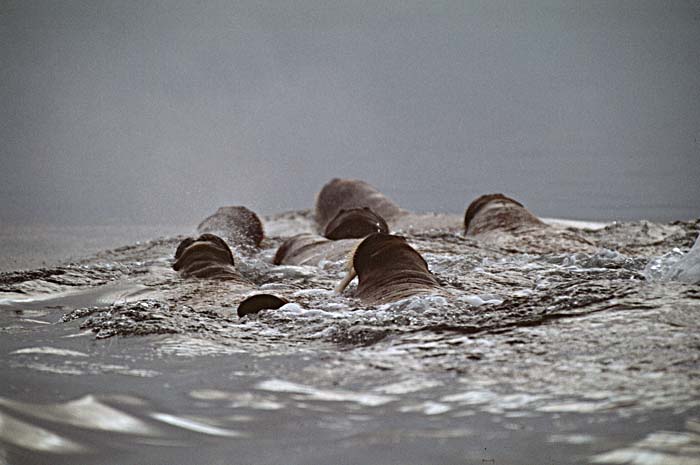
[208,257]
[240,225]
[500,220]
[388,269]
[311,249]
[355,223]
[344,214]
[351,209]
[346,194]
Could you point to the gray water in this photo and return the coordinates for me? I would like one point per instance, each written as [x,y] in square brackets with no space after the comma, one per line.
[156,112]
[570,358]
[160,112]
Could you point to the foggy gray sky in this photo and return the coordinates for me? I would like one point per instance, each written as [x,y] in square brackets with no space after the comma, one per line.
[161,111]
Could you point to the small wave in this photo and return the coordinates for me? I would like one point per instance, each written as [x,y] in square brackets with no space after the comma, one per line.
[49,351]
[196,425]
[676,266]
[312,393]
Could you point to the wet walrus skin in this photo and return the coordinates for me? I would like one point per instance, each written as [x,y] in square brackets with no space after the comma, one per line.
[506,223]
[345,194]
[208,257]
[388,270]
[240,225]
[341,235]
[311,249]
[497,212]
[355,223]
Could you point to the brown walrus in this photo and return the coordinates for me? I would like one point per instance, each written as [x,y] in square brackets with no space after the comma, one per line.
[355,223]
[345,194]
[505,222]
[208,256]
[496,212]
[239,225]
[311,249]
[388,270]
[349,208]
[258,302]
[344,215]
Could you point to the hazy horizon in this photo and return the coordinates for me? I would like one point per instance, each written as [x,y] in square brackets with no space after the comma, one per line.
[160,112]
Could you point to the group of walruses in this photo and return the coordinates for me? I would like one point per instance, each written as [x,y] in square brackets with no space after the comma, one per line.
[353,220]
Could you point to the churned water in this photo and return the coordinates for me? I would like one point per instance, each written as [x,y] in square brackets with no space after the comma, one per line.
[524,358]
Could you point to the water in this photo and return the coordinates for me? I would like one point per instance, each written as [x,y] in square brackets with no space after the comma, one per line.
[524,358]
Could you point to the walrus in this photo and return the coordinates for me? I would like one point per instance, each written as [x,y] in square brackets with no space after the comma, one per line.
[258,302]
[340,237]
[208,256]
[505,222]
[388,269]
[351,209]
[346,194]
[354,223]
[497,212]
[343,228]
[238,224]
[311,249]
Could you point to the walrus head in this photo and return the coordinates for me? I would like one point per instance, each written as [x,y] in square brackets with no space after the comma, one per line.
[355,223]
[388,269]
[496,212]
[341,194]
[208,256]
[258,302]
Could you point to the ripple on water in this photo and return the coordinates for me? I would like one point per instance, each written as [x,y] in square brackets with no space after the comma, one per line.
[660,447]
[196,425]
[19,433]
[311,393]
[86,412]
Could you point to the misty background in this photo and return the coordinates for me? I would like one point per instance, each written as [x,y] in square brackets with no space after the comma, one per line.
[159,112]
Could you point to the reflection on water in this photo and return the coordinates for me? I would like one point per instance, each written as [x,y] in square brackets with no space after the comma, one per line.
[32,437]
[86,412]
[661,447]
[311,393]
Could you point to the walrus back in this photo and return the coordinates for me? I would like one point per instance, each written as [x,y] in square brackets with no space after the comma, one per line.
[389,269]
[346,194]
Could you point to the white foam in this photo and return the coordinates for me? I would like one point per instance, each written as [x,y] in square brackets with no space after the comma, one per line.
[579,224]
[471,397]
[298,311]
[477,301]
[427,408]
[675,266]
[49,351]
